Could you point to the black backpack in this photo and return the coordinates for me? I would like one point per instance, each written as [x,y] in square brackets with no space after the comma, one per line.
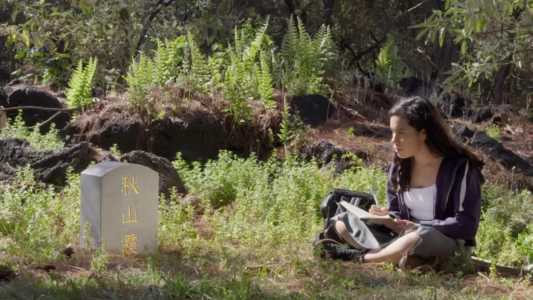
[330,207]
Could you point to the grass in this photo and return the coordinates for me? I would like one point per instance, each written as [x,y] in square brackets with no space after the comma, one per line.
[253,241]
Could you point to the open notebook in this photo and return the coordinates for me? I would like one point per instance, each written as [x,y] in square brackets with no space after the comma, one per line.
[363,214]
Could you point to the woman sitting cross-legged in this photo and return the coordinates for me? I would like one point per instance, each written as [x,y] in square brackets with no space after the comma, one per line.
[433,192]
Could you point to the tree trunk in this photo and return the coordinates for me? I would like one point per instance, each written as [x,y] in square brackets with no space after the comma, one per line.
[503,83]
[329,5]
[445,55]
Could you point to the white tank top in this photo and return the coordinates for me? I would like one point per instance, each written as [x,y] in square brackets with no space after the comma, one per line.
[420,202]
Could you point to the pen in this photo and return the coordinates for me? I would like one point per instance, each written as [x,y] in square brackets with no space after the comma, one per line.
[375,195]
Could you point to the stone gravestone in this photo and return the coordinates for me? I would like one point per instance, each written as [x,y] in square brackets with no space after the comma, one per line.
[119,201]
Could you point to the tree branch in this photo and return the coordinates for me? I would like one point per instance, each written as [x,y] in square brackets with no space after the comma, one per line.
[151,16]
[377,44]
[39,108]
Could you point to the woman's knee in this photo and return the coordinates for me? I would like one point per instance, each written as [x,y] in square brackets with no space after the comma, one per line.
[340,227]
[409,240]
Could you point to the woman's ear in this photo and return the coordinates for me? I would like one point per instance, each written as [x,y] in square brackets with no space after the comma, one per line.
[424,134]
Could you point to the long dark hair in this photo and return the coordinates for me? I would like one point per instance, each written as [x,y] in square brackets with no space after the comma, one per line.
[422,114]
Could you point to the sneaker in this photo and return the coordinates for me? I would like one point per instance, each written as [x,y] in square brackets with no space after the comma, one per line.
[339,251]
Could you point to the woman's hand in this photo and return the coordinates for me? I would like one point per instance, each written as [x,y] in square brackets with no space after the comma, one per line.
[399,225]
[378,211]
[405,224]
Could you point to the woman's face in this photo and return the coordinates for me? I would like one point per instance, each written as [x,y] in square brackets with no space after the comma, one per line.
[407,141]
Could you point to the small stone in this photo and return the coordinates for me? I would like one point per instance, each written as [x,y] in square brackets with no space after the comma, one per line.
[6,273]
[481,114]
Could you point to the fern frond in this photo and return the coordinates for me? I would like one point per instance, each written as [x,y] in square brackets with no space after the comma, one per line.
[80,85]
[251,51]
[265,87]
[199,66]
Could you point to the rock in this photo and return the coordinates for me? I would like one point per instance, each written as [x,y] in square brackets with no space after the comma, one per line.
[3,97]
[340,166]
[505,157]
[31,96]
[505,138]
[373,131]
[51,166]
[463,133]
[322,151]
[6,171]
[497,120]
[413,86]
[6,273]
[197,138]
[369,80]
[48,166]
[452,104]
[481,114]
[314,110]
[168,176]
[68,252]
[193,201]
[15,82]
[330,156]
[124,131]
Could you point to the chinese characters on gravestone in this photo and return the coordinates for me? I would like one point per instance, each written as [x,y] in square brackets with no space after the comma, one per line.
[119,201]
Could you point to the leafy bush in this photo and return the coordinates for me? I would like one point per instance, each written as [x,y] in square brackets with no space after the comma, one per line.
[278,199]
[79,91]
[18,129]
[506,234]
[38,220]
[49,35]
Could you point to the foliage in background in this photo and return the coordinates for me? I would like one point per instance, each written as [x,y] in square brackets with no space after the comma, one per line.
[389,66]
[248,76]
[79,90]
[307,62]
[48,36]
[490,35]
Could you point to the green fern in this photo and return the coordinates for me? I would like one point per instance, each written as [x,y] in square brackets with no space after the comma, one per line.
[199,66]
[285,134]
[248,74]
[162,64]
[265,82]
[306,61]
[250,53]
[140,80]
[79,91]
[389,66]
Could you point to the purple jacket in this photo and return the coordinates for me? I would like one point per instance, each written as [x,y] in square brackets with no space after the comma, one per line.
[458,203]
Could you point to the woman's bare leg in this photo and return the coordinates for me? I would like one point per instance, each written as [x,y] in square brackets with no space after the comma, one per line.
[392,253]
[340,227]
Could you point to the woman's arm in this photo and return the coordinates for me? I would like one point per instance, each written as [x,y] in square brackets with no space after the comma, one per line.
[467,208]
[393,203]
